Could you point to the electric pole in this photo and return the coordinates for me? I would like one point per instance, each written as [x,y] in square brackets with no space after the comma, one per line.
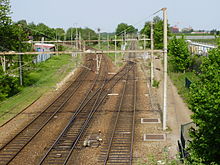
[108,44]
[56,45]
[89,38]
[99,38]
[4,64]
[152,54]
[165,69]
[71,37]
[144,41]
[20,61]
[115,48]
[20,69]
[76,37]
[80,41]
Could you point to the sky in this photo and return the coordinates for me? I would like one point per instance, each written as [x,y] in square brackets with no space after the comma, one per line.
[107,14]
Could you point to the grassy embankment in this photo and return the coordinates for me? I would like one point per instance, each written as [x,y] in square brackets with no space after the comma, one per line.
[47,75]
[179,81]
[178,78]
[190,34]
[206,41]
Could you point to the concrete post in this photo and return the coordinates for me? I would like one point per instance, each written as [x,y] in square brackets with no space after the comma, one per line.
[152,54]
[165,70]
[115,49]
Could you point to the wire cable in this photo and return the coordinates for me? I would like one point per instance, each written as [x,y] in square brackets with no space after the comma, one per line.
[139,22]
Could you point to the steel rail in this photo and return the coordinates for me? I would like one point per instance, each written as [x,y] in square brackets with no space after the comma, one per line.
[96,104]
[89,119]
[7,153]
[118,127]
[134,116]
[117,117]
[80,108]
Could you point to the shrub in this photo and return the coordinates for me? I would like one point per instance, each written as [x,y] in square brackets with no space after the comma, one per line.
[8,86]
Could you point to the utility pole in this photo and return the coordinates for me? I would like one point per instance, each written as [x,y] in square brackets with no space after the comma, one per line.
[89,38]
[57,43]
[84,45]
[152,54]
[80,41]
[20,69]
[20,61]
[97,63]
[71,37]
[56,34]
[64,38]
[115,48]
[165,69]
[123,43]
[76,37]
[144,41]
[4,64]
[99,38]
[124,37]
[108,44]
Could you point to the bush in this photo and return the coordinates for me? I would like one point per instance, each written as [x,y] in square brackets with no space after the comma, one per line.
[196,62]
[8,86]
[179,55]
[204,103]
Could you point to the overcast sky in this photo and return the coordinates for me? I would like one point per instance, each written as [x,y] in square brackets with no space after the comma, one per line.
[107,14]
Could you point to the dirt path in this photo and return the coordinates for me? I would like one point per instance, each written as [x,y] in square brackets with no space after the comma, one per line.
[177,111]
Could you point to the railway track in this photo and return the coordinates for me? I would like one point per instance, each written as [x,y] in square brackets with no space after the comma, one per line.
[119,148]
[11,149]
[62,149]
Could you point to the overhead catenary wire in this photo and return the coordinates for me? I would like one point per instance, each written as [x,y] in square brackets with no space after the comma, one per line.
[122,32]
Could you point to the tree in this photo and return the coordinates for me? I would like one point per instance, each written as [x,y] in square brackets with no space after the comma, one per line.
[40,31]
[12,35]
[205,105]
[5,19]
[86,33]
[179,54]
[125,28]
[8,86]
[71,32]
[60,33]
[5,22]
[158,32]
[23,23]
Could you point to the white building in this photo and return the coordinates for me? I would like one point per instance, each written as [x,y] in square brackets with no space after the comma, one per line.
[41,47]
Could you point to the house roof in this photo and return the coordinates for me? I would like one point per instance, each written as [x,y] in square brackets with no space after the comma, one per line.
[42,45]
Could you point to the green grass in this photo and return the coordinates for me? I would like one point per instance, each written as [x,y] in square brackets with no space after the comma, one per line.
[206,41]
[190,34]
[179,81]
[47,75]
